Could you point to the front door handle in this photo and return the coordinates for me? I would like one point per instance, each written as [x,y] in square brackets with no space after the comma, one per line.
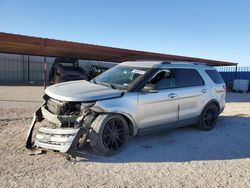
[172,95]
[204,90]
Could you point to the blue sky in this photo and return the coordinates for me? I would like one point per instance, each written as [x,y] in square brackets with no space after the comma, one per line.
[214,29]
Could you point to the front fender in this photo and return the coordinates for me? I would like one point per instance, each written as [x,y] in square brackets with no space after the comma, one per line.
[126,106]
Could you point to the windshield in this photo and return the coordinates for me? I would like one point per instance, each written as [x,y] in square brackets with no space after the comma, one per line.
[120,76]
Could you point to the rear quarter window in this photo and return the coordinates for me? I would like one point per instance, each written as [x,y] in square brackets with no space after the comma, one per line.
[215,76]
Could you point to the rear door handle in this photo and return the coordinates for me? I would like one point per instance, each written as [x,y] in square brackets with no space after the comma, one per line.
[204,90]
[172,95]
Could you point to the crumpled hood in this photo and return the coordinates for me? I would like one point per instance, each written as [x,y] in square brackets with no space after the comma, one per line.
[81,91]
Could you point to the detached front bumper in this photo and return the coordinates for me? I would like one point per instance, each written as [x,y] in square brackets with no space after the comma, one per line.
[59,139]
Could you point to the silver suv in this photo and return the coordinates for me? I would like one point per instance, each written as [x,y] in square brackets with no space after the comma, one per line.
[130,99]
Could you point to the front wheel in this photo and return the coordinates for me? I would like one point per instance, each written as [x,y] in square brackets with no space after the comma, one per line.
[208,117]
[109,134]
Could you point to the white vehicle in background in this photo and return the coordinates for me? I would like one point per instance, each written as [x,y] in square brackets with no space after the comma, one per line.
[130,99]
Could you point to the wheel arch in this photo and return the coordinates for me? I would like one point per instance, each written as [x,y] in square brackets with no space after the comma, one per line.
[210,102]
[213,101]
[130,121]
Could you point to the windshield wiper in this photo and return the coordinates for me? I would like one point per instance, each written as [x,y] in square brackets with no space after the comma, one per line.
[106,84]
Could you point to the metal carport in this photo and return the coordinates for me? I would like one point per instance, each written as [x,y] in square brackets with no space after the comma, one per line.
[29,45]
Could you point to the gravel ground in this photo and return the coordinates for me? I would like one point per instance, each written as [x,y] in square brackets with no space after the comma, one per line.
[184,157]
[19,101]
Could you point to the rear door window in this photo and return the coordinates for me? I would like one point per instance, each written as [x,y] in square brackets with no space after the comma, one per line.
[215,76]
[188,78]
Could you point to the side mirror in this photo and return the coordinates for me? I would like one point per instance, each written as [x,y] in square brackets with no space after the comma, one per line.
[149,88]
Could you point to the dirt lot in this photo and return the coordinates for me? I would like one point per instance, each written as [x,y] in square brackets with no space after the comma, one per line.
[184,157]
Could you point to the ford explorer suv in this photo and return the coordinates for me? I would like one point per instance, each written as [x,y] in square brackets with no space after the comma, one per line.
[130,99]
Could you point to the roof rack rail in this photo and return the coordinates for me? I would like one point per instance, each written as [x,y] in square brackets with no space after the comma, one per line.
[184,62]
[198,63]
[165,62]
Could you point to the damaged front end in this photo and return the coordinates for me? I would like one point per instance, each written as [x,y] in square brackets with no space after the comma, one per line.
[67,122]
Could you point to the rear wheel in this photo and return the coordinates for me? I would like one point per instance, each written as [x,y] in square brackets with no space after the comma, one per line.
[209,117]
[109,134]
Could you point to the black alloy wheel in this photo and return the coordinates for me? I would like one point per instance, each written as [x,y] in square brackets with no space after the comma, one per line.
[109,134]
[114,134]
[209,117]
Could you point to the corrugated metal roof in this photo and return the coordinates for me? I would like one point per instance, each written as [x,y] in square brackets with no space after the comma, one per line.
[29,45]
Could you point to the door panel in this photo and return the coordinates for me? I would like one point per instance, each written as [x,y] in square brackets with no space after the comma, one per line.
[191,101]
[157,108]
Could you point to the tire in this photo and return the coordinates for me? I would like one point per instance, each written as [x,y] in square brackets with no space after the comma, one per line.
[208,117]
[79,141]
[109,134]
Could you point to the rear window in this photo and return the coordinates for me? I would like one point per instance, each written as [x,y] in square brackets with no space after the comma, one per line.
[215,76]
[187,78]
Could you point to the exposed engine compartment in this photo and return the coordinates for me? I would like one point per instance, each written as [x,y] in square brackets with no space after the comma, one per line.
[68,119]
[62,107]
